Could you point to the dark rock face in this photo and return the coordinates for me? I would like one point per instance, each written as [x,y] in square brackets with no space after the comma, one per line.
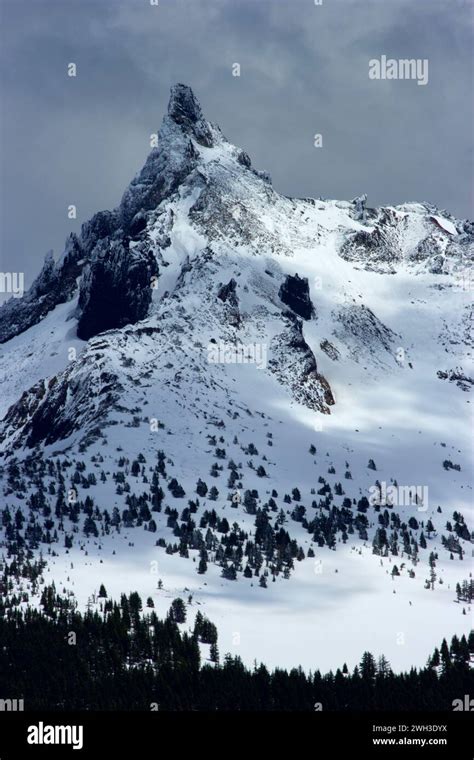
[184,109]
[138,225]
[115,288]
[295,293]
[55,284]
[101,225]
[227,293]
[158,179]
[52,410]
[244,159]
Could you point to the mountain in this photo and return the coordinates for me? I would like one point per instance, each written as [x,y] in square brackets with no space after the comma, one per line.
[260,401]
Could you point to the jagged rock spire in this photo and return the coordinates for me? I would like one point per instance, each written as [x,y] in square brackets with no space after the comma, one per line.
[184,109]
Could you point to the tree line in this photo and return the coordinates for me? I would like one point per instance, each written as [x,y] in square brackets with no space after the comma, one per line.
[120,657]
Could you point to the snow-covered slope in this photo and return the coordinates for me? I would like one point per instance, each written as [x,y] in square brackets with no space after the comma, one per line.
[263,344]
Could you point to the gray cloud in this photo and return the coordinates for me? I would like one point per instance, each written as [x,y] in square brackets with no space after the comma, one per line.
[304,69]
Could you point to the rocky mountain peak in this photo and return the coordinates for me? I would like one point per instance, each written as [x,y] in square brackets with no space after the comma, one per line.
[184,107]
[184,110]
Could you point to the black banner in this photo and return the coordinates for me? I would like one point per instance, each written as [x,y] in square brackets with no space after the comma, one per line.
[376,734]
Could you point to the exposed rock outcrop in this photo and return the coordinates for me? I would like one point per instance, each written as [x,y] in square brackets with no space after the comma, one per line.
[170,163]
[115,288]
[294,364]
[227,293]
[55,284]
[295,293]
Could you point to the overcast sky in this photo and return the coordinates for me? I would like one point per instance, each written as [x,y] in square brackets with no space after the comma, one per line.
[304,70]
